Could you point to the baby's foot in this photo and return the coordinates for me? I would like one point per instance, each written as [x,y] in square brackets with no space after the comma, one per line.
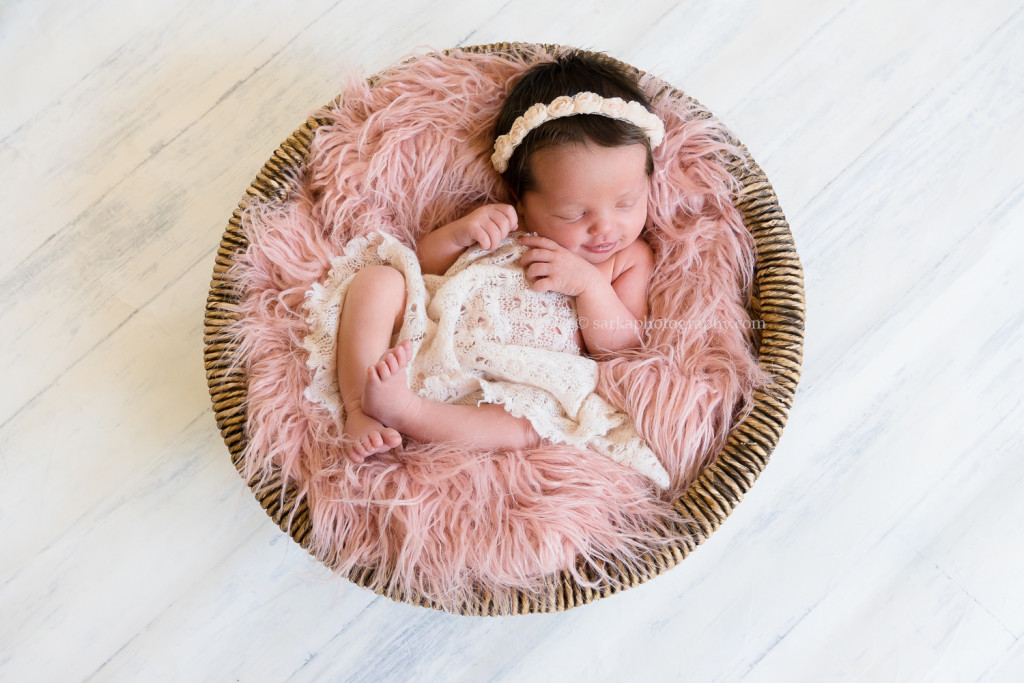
[386,394]
[368,436]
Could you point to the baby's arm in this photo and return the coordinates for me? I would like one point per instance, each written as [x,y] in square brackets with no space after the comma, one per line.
[615,318]
[486,226]
[611,312]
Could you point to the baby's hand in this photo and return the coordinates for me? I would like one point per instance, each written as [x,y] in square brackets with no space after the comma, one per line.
[486,226]
[551,267]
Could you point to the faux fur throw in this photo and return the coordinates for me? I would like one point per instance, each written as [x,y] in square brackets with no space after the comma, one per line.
[411,153]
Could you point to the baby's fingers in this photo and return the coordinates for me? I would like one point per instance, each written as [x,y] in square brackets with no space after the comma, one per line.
[543,284]
[538,270]
[490,236]
[498,229]
[505,220]
[481,236]
[508,213]
[538,242]
[536,255]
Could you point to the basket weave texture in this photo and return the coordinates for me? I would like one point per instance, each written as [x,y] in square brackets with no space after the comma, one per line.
[778,301]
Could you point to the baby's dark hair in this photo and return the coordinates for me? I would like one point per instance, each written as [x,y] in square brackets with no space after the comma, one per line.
[572,72]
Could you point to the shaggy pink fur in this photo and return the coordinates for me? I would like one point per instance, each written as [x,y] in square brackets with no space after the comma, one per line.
[407,155]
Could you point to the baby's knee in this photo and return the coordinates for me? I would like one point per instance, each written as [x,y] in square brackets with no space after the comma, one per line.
[379,274]
[382,280]
[383,287]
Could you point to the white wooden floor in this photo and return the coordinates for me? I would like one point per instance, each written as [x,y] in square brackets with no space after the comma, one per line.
[885,540]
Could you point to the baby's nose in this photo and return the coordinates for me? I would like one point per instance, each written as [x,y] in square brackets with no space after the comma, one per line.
[599,225]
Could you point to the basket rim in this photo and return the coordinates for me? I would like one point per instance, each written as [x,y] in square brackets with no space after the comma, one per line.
[778,299]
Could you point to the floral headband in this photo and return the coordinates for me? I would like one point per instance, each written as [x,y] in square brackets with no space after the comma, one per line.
[580,103]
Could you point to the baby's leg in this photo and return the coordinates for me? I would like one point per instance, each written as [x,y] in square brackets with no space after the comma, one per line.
[371,313]
[387,397]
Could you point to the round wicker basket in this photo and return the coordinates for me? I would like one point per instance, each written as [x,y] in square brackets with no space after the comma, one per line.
[778,301]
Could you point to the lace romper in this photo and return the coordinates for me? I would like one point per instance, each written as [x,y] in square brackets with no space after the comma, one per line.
[480,335]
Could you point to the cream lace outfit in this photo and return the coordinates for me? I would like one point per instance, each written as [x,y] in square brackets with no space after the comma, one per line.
[480,335]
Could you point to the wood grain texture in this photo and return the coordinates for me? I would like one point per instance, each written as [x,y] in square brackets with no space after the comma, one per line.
[884,540]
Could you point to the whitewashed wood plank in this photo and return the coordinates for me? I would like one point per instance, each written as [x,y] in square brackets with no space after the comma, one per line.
[101,426]
[969,526]
[154,85]
[722,52]
[849,85]
[50,47]
[601,25]
[897,618]
[1008,669]
[126,557]
[902,207]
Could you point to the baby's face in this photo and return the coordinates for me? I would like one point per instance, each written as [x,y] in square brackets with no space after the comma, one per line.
[589,199]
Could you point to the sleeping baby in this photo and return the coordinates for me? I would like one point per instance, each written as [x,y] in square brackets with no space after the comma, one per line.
[483,334]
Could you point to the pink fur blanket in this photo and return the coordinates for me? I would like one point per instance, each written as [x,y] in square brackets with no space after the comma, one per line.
[407,155]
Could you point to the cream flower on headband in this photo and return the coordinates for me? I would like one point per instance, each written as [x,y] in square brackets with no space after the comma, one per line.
[589,103]
[580,103]
[561,106]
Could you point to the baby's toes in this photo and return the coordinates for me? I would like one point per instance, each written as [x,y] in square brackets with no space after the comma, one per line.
[387,364]
[372,442]
[391,437]
[378,373]
[402,352]
[354,452]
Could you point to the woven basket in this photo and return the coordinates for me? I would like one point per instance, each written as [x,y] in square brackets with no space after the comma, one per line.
[778,301]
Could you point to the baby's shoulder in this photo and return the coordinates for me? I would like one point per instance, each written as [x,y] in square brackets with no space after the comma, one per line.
[637,257]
